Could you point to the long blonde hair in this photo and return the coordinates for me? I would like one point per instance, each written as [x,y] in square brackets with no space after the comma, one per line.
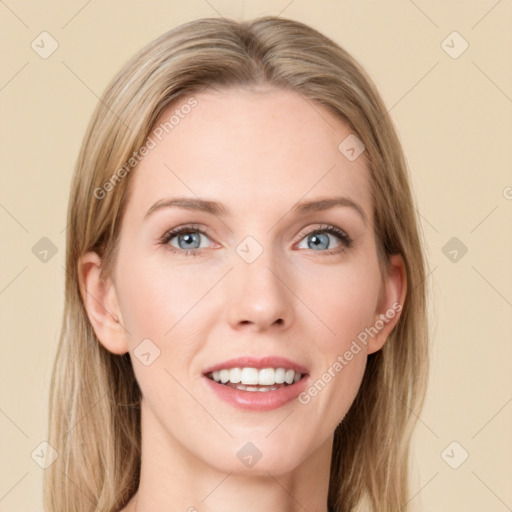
[95,399]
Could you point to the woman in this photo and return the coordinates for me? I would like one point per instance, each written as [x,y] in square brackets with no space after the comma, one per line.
[245,321]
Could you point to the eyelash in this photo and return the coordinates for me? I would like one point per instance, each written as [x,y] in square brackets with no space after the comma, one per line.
[326,228]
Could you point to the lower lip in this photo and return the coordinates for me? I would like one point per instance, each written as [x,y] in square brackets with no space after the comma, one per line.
[257,400]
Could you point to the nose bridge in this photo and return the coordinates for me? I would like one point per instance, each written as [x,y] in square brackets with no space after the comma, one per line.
[257,291]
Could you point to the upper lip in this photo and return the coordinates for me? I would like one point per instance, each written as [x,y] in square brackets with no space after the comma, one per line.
[259,363]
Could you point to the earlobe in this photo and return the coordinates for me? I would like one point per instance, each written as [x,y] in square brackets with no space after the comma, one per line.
[100,301]
[391,303]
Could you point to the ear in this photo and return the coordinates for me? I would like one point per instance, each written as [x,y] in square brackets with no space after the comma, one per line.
[100,301]
[390,303]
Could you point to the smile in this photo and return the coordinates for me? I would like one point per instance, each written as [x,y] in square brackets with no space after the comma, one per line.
[254,379]
[257,384]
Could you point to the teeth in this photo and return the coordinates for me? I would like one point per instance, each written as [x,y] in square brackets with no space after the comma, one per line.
[235,375]
[254,377]
[253,388]
[288,378]
[279,375]
[266,377]
[249,376]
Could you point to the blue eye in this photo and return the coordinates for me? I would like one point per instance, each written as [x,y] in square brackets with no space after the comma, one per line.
[188,238]
[321,239]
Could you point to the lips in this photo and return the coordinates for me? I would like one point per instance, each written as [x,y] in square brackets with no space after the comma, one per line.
[261,396]
[256,398]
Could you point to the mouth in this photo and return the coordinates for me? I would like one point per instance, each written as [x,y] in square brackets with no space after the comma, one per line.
[255,379]
[257,384]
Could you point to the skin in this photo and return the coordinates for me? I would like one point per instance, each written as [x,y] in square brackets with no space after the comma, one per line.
[258,152]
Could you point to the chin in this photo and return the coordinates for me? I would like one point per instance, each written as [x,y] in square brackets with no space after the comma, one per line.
[259,458]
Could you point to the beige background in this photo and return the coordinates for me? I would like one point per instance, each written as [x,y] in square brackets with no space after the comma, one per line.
[454,117]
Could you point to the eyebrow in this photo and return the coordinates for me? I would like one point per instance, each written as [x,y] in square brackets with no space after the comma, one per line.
[189,203]
[218,209]
[327,203]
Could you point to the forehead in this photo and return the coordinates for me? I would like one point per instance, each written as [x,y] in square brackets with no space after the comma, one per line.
[249,149]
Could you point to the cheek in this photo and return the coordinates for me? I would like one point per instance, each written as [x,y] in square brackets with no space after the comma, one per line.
[144,307]
[157,295]
[347,309]
[342,302]
[158,302]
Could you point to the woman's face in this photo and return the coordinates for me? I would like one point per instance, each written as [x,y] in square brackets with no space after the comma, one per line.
[264,272]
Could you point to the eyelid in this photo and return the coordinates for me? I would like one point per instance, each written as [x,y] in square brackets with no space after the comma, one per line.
[329,228]
[186,227]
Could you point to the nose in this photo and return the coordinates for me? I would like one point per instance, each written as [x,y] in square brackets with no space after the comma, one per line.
[259,295]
